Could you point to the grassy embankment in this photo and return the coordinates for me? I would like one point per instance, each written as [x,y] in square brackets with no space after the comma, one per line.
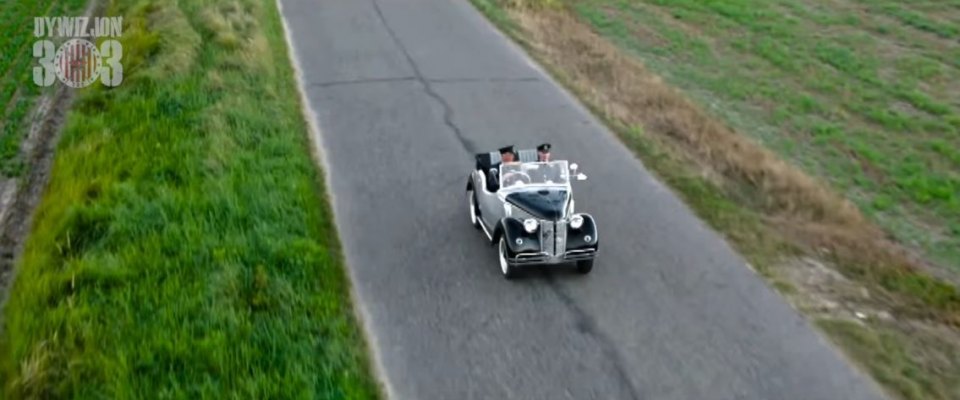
[819,137]
[184,247]
[864,94]
[18,93]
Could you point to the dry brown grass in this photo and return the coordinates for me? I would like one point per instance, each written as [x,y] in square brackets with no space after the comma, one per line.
[806,212]
[532,4]
[635,96]
[627,92]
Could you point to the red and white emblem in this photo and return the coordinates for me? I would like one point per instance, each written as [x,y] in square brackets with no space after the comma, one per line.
[78,63]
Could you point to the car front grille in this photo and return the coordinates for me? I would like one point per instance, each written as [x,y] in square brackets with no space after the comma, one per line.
[553,237]
[560,244]
[547,237]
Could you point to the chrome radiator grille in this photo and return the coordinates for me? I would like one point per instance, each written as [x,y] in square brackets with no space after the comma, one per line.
[546,237]
[553,237]
[560,246]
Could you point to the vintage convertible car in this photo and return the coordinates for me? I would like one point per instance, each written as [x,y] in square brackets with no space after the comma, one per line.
[526,209]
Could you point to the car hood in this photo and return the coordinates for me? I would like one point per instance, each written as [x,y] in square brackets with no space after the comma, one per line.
[542,203]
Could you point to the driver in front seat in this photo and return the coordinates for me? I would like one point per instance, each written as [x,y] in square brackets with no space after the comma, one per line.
[507,155]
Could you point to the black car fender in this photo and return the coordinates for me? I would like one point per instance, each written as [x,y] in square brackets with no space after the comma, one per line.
[517,238]
[577,238]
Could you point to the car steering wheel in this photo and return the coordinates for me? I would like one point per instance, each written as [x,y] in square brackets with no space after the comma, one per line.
[512,178]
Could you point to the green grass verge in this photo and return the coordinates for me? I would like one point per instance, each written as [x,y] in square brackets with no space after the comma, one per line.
[861,93]
[184,247]
[901,362]
[18,93]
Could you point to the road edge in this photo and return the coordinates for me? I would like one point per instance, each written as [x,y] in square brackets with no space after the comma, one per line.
[318,153]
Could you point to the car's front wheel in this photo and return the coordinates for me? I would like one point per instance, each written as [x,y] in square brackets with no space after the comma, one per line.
[472,204]
[585,266]
[508,270]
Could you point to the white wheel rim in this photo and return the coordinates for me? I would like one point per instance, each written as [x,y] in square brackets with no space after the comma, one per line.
[503,256]
[473,208]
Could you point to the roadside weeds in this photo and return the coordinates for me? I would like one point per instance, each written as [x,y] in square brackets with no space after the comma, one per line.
[184,247]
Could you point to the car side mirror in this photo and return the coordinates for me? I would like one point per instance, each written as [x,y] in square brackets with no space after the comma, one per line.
[573,167]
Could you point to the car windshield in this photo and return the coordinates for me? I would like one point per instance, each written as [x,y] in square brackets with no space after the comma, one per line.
[516,174]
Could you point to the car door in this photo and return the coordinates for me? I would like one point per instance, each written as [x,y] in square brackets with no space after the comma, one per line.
[491,208]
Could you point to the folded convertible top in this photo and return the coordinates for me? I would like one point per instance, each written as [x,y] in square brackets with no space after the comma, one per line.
[485,161]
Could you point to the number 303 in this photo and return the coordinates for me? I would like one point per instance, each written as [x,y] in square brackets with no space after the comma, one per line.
[111,73]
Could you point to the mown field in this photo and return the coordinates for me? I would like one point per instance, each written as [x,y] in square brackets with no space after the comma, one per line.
[184,247]
[864,94]
[18,93]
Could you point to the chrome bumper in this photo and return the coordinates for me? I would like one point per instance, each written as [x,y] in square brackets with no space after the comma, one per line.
[547,259]
[580,255]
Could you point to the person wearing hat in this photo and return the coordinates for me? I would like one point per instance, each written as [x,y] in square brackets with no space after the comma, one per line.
[546,172]
[543,152]
[507,155]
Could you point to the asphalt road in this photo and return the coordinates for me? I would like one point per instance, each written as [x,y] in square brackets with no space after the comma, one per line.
[404,93]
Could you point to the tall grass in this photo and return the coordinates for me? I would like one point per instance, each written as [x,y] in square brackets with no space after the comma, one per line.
[184,248]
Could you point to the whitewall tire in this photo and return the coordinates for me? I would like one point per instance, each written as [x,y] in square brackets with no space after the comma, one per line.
[508,271]
[472,204]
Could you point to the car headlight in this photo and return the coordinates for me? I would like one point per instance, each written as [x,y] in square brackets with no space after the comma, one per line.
[576,221]
[530,225]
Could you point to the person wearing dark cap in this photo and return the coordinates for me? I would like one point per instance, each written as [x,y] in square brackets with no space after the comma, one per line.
[546,172]
[508,154]
[543,152]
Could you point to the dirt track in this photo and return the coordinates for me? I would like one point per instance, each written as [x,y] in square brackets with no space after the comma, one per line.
[21,195]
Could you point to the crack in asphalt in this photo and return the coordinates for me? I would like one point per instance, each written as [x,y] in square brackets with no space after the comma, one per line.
[586,325]
[484,80]
[361,81]
[428,89]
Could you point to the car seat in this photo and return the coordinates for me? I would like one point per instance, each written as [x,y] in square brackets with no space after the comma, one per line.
[527,155]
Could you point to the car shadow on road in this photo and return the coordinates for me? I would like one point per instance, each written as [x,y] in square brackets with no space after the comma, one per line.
[549,273]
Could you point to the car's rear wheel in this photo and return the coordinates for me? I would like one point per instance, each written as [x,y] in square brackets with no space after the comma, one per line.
[472,204]
[508,270]
[585,266]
